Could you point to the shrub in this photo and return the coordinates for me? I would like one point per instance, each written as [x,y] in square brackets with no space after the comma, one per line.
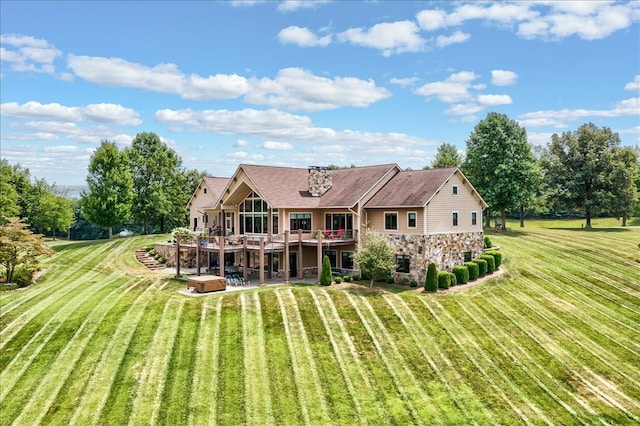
[346,278]
[462,274]
[168,264]
[452,279]
[474,271]
[391,280]
[338,280]
[325,276]
[355,277]
[491,263]
[149,247]
[413,283]
[497,257]
[162,259]
[482,267]
[431,282]
[152,252]
[443,279]
[23,277]
[487,242]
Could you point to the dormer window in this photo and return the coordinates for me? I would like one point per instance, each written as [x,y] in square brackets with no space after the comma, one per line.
[455,189]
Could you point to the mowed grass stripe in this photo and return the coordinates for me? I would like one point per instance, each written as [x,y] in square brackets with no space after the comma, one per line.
[42,398]
[97,389]
[487,370]
[453,390]
[146,405]
[392,366]
[354,371]
[257,395]
[34,338]
[284,392]
[205,365]
[573,349]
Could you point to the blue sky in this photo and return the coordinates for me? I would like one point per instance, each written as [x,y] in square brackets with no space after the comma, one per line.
[297,83]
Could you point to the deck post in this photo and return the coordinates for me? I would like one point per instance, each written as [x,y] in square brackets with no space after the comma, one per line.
[319,253]
[261,261]
[221,257]
[286,257]
[245,259]
[178,256]
[198,242]
[300,263]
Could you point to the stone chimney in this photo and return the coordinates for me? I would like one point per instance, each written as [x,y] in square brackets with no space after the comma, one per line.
[320,180]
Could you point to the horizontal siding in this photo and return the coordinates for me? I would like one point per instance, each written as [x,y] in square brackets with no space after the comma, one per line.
[376,220]
[444,203]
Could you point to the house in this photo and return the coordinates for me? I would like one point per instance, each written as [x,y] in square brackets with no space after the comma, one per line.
[281,221]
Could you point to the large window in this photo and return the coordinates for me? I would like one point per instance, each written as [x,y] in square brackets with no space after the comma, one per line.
[390,221]
[412,221]
[254,215]
[336,221]
[300,221]
[403,263]
[347,260]
[274,219]
[333,257]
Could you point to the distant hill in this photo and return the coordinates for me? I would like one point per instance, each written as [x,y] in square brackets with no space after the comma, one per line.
[69,191]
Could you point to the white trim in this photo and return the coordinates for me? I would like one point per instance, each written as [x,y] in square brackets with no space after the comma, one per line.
[472,213]
[384,220]
[416,220]
[457,222]
[454,190]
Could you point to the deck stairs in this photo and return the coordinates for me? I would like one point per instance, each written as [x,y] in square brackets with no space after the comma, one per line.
[147,260]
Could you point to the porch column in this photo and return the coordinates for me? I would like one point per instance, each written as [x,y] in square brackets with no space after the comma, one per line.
[245,259]
[319,253]
[300,263]
[178,257]
[261,261]
[221,257]
[286,257]
[198,255]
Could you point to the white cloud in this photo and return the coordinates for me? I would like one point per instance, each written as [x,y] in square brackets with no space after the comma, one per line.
[633,86]
[464,109]
[28,53]
[430,20]
[454,88]
[456,37]
[404,82]
[278,146]
[293,5]
[241,143]
[389,37]
[503,77]
[112,113]
[244,156]
[102,113]
[300,90]
[302,37]
[493,100]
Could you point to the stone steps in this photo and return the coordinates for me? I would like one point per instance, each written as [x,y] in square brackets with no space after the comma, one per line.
[151,263]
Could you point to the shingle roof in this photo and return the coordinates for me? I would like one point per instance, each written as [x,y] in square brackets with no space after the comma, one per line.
[410,188]
[289,187]
[216,185]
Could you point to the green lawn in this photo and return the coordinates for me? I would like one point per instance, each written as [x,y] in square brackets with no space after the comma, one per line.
[555,339]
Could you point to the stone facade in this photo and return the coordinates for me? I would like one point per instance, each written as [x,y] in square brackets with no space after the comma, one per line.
[445,250]
[187,255]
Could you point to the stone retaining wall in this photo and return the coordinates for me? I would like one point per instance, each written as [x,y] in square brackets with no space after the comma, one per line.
[445,250]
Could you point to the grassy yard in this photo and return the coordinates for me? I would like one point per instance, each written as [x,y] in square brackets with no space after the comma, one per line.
[555,339]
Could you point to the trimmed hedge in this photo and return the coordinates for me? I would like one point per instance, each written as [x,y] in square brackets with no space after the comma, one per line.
[325,275]
[474,270]
[462,274]
[431,282]
[443,279]
[497,256]
[491,263]
[452,279]
[346,278]
[413,283]
[487,242]
[338,280]
[482,267]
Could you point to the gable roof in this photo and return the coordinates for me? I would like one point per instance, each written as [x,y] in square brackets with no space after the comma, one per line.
[415,188]
[287,187]
[215,184]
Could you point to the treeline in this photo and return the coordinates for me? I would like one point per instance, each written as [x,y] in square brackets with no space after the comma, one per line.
[143,188]
[583,173]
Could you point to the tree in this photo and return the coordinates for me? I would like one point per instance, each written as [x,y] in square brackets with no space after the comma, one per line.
[375,257]
[447,155]
[500,164]
[579,169]
[8,194]
[19,246]
[110,187]
[54,213]
[431,282]
[154,167]
[325,275]
[623,186]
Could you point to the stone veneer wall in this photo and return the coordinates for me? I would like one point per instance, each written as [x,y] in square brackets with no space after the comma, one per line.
[187,255]
[445,250]
[320,181]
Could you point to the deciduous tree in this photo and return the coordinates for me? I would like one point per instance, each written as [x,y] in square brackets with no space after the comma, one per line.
[623,186]
[500,164]
[447,155]
[109,197]
[579,169]
[375,257]
[20,247]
